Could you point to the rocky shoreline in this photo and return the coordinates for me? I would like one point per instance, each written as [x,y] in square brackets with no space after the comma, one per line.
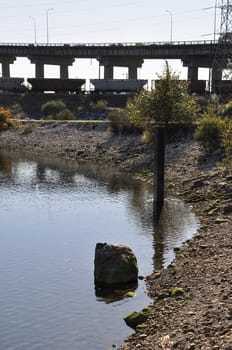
[200,317]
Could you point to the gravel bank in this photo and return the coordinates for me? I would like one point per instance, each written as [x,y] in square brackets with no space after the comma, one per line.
[92,142]
[201,316]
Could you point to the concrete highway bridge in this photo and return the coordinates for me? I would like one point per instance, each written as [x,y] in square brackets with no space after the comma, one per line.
[193,54]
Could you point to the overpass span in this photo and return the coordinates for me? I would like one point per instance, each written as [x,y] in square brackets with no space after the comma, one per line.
[193,54]
[146,50]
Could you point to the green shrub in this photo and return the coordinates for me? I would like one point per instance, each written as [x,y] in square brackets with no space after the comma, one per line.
[52,108]
[209,132]
[5,118]
[65,114]
[227,109]
[17,111]
[227,138]
[202,103]
[119,121]
[99,107]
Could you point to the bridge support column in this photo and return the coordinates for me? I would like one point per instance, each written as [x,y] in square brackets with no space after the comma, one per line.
[192,73]
[216,79]
[132,70]
[5,70]
[108,71]
[64,71]
[63,62]
[6,61]
[110,62]
[39,70]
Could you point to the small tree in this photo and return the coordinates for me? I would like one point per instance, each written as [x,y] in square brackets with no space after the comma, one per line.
[170,102]
[5,118]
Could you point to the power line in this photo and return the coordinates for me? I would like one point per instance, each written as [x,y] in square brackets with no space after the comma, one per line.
[40,4]
[126,21]
[70,2]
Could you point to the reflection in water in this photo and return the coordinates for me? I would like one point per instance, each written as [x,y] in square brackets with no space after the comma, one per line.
[52,214]
[157,211]
[176,221]
[177,224]
[114,293]
[5,165]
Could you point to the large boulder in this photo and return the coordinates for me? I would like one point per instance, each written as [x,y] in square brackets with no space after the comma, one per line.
[114,264]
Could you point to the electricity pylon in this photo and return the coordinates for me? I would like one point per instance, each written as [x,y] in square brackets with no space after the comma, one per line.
[223,50]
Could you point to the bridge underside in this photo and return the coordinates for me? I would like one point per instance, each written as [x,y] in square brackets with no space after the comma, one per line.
[193,56]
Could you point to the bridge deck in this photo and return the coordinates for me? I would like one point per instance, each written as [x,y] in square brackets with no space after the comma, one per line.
[146,50]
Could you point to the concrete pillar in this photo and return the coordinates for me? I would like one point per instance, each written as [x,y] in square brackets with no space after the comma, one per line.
[64,71]
[110,62]
[132,70]
[192,73]
[5,69]
[63,62]
[216,74]
[216,79]
[39,70]
[6,61]
[108,71]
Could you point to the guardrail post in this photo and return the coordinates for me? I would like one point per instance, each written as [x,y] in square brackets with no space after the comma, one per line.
[159,153]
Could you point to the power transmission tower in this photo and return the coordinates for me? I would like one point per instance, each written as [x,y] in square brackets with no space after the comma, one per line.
[223,49]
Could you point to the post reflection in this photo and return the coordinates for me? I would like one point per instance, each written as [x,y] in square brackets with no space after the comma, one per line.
[176,224]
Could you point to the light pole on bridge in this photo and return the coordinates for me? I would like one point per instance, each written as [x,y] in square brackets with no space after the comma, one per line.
[171,24]
[34,22]
[50,9]
[215,7]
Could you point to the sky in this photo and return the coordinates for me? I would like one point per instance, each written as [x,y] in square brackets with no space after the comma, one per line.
[104,21]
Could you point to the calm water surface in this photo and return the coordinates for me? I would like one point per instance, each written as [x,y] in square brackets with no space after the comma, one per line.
[52,214]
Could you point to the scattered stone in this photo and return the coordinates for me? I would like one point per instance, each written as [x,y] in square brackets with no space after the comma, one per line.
[175,292]
[227,209]
[135,318]
[130,294]
[141,277]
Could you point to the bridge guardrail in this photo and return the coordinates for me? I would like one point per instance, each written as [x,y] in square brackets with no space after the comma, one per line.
[126,44]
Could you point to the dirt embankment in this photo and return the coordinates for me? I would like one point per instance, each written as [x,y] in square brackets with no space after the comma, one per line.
[199,317]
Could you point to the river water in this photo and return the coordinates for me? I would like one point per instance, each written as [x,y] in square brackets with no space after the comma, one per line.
[52,214]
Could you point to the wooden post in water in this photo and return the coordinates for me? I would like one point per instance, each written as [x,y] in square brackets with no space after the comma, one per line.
[159,151]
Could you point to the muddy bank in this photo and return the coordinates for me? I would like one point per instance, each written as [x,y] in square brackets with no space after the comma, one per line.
[200,317]
[92,142]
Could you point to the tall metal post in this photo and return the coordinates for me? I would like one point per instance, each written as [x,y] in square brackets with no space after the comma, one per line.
[50,9]
[34,23]
[171,24]
[159,153]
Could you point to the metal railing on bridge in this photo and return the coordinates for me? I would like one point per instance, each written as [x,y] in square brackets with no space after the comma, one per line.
[126,44]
